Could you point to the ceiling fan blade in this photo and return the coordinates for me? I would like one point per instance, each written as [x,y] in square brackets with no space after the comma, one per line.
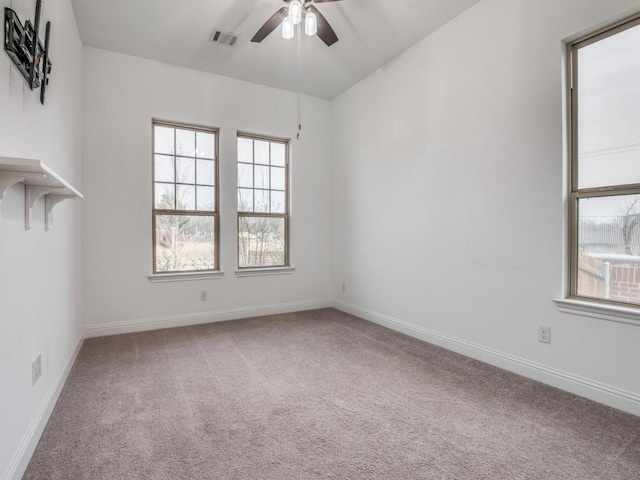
[270,25]
[325,1]
[325,32]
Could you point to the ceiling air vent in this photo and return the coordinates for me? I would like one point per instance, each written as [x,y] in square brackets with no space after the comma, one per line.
[224,38]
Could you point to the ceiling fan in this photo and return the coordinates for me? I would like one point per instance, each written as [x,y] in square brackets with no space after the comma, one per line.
[315,23]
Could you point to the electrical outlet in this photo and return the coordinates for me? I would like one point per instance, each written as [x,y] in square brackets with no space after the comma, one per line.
[36,370]
[203,295]
[544,333]
[344,286]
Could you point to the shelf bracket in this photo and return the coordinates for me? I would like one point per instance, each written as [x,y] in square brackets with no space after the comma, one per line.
[31,195]
[50,201]
[9,179]
[39,180]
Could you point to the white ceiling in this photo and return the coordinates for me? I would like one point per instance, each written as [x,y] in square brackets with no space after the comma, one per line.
[371,33]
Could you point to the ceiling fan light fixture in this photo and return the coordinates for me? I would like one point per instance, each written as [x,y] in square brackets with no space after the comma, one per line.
[287,28]
[310,24]
[295,11]
[314,22]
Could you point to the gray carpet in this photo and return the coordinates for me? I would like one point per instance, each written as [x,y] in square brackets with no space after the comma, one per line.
[317,395]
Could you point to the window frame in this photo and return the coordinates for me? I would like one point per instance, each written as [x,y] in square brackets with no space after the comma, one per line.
[574,192]
[206,213]
[286,267]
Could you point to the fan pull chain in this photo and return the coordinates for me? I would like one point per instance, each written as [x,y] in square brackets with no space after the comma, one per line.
[299,99]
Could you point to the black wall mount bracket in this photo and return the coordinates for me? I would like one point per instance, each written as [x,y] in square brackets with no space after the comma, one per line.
[22,44]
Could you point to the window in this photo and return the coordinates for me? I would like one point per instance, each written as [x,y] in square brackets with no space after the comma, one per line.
[185,198]
[263,199]
[604,216]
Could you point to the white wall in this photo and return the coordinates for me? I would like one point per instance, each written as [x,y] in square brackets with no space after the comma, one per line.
[40,287]
[121,96]
[448,197]
[433,188]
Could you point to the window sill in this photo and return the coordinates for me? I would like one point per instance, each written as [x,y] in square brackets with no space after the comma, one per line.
[261,272]
[184,277]
[612,313]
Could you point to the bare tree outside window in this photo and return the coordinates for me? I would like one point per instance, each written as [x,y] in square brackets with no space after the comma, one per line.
[263,213]
[185,214]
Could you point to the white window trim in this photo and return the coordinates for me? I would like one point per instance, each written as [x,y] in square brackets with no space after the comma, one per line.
[613,313]
[264,271]
[184,276]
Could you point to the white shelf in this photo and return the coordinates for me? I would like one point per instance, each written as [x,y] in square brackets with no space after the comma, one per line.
[39,180]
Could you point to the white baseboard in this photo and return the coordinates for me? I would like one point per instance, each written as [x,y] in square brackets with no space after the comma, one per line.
[584,387]
[29,442]
[146,324]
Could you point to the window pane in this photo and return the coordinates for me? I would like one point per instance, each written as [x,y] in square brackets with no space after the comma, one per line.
[278,154]
[262,200]
[245,175]
[278,200]
[261,177]
[206,145]
[185,243]
[261,242]
[206,198]
[608,113]
[277,178]
[261,152]
[186,170]
[609,248]
[164,140]
[261,185]
[245,200]
[165,196]
[163,169]
[206,172]
[245,150]
[186,143]
[186,197]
